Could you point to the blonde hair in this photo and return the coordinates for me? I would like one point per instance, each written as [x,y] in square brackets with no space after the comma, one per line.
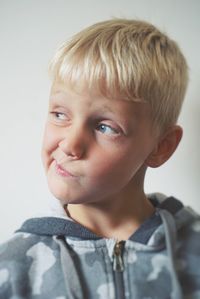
[126,59]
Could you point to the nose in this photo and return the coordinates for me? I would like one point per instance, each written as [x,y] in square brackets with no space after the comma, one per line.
[73,143]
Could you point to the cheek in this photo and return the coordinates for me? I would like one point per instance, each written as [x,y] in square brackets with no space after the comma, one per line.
[110,165]
[119,165]
[48,145]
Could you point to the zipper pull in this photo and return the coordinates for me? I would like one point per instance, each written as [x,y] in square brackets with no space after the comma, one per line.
[118,264]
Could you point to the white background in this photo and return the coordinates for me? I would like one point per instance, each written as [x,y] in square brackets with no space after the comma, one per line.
[30,31]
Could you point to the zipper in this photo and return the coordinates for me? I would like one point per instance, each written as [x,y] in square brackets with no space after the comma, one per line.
[118,264]
[118,268]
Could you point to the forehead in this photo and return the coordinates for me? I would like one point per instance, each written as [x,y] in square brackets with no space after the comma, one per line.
[65,94]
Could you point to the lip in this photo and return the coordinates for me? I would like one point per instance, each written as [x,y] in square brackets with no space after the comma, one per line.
[63,172]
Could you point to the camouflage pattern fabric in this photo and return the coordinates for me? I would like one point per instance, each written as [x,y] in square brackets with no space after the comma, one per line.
[36,264]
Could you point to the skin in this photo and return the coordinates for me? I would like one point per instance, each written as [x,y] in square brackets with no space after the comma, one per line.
[95,154]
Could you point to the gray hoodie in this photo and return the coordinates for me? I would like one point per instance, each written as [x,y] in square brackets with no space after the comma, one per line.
[56,258]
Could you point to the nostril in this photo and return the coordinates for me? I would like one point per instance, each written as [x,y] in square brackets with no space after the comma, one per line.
[73,149]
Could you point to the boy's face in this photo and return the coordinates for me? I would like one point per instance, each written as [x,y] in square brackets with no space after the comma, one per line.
[94,147]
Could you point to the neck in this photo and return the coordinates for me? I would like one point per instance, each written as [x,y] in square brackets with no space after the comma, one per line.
[117,217]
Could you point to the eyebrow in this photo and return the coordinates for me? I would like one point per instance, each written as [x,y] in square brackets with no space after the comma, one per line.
[58,93]
[57,96]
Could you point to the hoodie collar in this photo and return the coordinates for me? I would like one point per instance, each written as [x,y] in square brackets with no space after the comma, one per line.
[64,226]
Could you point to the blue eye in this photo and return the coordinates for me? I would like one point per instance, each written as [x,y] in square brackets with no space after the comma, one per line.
[105,129]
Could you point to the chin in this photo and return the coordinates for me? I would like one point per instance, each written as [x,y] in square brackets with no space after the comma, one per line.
[62,195]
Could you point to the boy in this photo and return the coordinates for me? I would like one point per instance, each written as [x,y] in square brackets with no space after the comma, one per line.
[117,90]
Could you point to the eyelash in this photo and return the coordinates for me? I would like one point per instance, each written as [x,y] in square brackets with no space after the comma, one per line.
[114,131]
[56,113]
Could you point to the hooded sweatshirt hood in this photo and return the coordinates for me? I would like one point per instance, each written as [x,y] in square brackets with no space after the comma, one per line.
[148,232]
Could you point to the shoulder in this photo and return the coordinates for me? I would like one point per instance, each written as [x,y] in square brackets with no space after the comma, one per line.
[19,253]
[189,237]
[188,224]
[22,245]
[189,243]
[20,259]
[188,254]
[24,259]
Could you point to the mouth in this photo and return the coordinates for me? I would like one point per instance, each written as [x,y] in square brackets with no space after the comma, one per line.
[63,172]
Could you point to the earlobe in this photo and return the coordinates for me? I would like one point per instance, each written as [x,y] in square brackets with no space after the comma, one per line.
[165,147]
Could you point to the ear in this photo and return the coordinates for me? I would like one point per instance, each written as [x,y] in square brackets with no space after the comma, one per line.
[165,147]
